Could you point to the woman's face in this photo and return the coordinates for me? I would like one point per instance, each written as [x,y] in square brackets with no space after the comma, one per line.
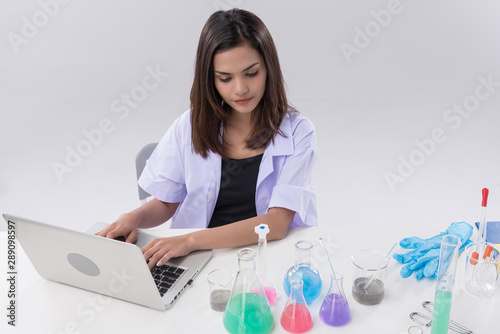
[240,78]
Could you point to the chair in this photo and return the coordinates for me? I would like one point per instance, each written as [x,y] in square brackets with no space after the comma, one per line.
[140,162]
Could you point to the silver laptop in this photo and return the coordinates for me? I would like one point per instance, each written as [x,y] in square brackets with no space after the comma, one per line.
[106,266]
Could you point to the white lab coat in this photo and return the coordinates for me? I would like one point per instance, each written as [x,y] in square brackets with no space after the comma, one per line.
[174,173]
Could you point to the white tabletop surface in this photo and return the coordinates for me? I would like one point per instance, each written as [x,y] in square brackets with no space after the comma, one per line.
[49,307]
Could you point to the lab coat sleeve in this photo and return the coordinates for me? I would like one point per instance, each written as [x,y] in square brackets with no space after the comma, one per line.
[164,174]
[293,189]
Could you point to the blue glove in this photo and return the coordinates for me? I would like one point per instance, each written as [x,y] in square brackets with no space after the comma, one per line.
[424,259]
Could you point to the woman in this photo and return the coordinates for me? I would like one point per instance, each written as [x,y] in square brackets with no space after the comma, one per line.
[240,157]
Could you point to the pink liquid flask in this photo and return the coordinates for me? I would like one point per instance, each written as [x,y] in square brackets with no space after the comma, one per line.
[270,294]
[296,317]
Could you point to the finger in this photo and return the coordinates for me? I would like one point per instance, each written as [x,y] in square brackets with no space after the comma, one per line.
[149,252]
[154,260]
[116,232]
[164,259]
[113,234]
[107,230]
[103,232]
[151,264]
[132,237]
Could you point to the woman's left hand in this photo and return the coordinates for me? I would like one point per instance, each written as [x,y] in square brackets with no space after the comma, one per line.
[160,250]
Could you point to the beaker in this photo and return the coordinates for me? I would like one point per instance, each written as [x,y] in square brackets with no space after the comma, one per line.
[368,285]
[310,276]
[448,256]
[248,310]
[296,317]
[335,310]
[219,282]
[269,289]
[481,271]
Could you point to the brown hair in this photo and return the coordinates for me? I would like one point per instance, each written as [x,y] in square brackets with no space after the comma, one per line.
[225,30]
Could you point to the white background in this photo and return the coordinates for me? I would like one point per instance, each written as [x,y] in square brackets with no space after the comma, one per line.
[369,108]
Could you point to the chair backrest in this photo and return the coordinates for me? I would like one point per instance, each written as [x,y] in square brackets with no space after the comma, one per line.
[140,162]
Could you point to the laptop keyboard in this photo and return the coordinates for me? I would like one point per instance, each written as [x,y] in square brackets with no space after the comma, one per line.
[165,276]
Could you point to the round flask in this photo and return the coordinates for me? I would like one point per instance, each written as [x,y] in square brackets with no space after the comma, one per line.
[302,269]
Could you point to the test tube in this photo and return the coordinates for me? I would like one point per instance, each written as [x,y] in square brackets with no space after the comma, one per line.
[448,256]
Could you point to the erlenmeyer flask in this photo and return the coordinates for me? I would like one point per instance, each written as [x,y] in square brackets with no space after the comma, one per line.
[248,310]
[310,276]
[335,310]
[296,317]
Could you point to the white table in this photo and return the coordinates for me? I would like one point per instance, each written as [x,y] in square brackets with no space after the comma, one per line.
[49,307]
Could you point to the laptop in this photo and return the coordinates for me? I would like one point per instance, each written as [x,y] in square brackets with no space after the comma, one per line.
[106,266]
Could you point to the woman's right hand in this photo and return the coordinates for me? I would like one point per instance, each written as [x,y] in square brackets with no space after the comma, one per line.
[125,226]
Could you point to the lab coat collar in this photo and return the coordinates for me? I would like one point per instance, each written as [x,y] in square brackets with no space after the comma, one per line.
[282,145]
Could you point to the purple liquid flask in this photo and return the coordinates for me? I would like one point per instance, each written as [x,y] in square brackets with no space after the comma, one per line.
[296,317]
[335,310]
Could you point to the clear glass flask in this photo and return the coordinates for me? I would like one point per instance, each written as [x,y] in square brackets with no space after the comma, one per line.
[335,310]
[248,310]
[296,317]
[271,293]
[310,276]
[448,256]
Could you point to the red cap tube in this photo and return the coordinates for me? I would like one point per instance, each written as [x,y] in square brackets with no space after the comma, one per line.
[485,196]
[473,258]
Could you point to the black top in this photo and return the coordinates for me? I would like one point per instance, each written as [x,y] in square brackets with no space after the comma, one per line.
[236,200]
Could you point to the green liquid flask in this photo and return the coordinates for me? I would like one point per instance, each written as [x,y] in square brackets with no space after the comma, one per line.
[248,310]
[448,256]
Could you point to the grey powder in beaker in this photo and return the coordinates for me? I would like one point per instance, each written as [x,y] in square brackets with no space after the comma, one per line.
[371,295]
[218,299]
